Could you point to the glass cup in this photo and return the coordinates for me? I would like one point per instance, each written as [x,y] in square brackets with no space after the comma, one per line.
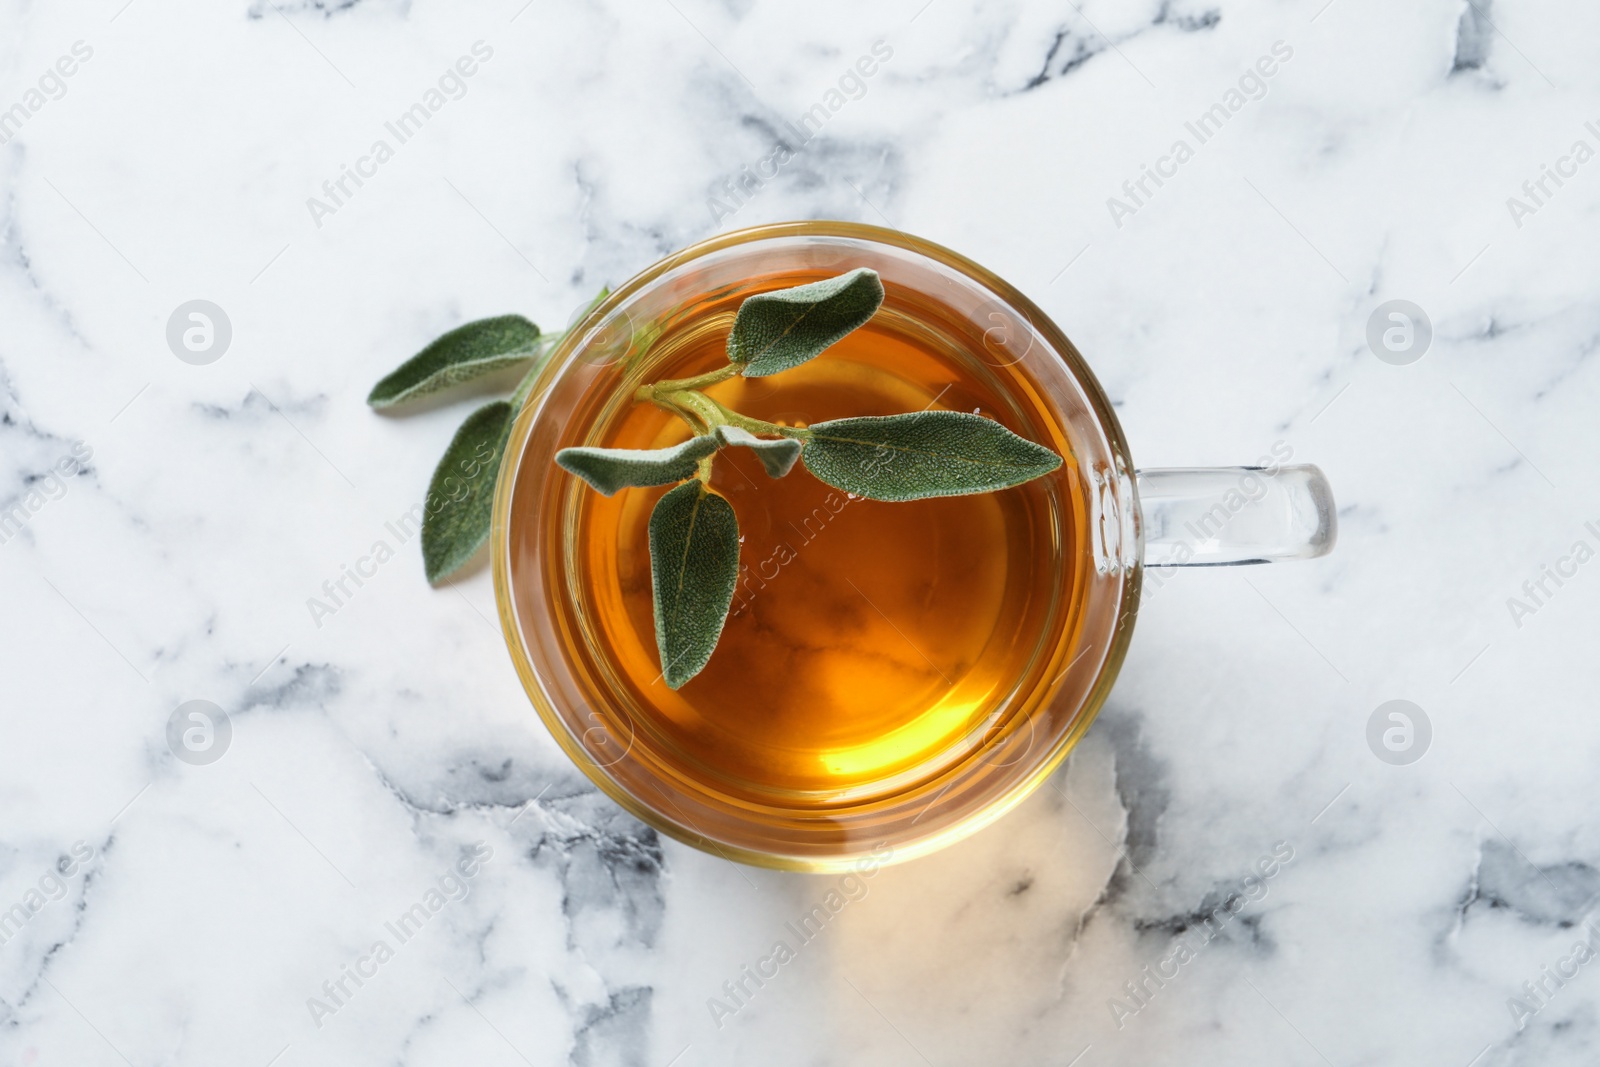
[1126,522]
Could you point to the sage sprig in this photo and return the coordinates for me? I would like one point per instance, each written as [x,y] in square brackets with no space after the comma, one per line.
[694,534]
[457,512]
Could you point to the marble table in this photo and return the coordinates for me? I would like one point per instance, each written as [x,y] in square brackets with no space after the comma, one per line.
[1248,860]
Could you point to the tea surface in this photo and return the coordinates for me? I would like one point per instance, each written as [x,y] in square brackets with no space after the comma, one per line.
[870,644]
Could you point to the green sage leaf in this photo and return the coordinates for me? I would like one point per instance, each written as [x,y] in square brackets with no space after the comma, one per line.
[778,330]
[465,353]
[610,469]
[778,457]
[694,566]
[460,504]
[923,454]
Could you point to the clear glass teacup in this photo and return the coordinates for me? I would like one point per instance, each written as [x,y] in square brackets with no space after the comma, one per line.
[1021,608]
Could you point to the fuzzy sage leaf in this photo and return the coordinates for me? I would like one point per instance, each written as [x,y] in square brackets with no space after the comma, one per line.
[465,353]
[923,454]
[694,566]
[610,469]
[777,457]
[460,504]
[779,330]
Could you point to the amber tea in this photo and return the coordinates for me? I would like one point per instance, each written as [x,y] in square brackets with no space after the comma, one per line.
[870,645]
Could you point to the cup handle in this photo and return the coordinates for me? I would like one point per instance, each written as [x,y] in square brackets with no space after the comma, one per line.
[1222,516]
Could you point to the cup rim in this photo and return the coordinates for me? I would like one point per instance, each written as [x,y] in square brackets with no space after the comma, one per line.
[522,428]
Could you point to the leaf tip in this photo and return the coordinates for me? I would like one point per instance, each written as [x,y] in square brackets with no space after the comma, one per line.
[439,562]
[874,279]
[1049,460]
[575,461]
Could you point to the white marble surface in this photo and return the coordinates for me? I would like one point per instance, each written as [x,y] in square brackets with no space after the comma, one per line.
[1226,314]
